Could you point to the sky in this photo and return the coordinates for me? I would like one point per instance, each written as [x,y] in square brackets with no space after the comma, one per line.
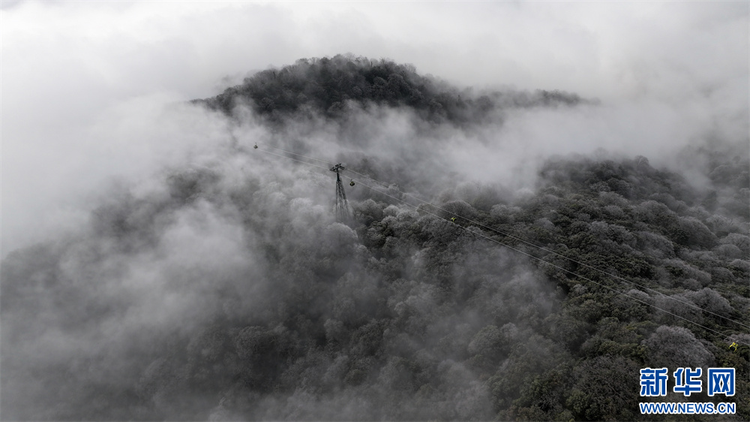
[92,91]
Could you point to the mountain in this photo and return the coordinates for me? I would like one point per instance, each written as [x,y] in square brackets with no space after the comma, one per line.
[227,290]
[327,84]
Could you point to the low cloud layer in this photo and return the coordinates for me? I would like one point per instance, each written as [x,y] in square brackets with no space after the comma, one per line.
[156,265]
[83,84]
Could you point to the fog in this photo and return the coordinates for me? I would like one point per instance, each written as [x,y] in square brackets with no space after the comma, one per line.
[158,266]
[84,85]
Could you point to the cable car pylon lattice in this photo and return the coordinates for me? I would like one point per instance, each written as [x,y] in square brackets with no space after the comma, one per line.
[339,188]
[341,209]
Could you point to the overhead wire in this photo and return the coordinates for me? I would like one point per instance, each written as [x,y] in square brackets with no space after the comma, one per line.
[582,264]
[291,158]
[401,201]
[554,265]
[300,155]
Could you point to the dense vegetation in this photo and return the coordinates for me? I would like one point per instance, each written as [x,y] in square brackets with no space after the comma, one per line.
[238,297]
[328,85]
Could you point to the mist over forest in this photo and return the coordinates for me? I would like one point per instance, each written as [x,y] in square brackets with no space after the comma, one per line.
[223,288]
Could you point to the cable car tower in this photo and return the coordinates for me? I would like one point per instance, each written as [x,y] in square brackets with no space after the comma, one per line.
[342,205]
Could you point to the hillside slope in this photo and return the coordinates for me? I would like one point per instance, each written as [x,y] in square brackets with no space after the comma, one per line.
[228,292]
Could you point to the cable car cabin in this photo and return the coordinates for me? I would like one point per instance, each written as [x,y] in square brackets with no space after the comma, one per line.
[351,183]
[255,146]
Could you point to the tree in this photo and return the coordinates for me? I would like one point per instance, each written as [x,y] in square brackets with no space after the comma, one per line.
[674,347]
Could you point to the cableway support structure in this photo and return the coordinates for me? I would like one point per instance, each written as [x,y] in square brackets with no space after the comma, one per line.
[341,208]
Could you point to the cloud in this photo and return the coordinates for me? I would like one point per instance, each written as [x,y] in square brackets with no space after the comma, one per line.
[77,78]
[164,220]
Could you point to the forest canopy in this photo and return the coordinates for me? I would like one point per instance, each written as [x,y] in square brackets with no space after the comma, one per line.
[228,291]
[328,84]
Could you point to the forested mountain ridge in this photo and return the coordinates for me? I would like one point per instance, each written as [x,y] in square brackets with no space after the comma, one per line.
[326,84]
[229,294]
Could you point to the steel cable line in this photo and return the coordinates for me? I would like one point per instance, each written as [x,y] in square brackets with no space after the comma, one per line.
[508,235]
[530,244]
[583,264]
[291,158]
[301,155]
[554,265]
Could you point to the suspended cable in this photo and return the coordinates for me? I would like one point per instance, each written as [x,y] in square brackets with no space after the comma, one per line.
[291,158]
[556,266]
[529,244]
[583,264]
[301,155]
[526,242]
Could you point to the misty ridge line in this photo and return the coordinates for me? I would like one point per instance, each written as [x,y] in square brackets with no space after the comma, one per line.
[329,83]
[507,235]
[224,289]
